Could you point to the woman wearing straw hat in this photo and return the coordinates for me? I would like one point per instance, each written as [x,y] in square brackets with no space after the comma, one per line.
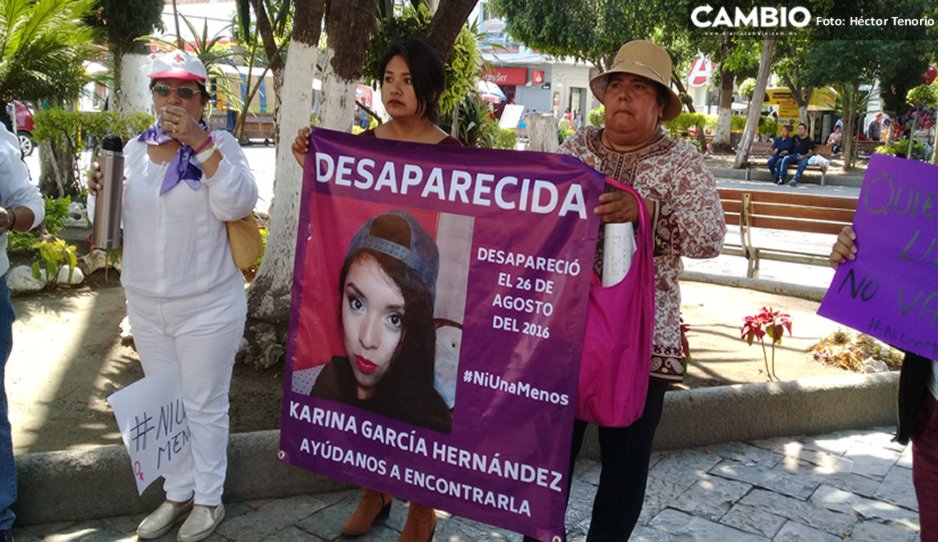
[185,295]
[680,195]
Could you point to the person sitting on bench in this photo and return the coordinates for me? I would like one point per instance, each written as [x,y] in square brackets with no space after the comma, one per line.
[802,150]
[781,147]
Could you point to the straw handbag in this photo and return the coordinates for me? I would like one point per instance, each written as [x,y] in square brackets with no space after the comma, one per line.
[245,241]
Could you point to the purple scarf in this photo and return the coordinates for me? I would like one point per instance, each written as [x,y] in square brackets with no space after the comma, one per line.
[183,167]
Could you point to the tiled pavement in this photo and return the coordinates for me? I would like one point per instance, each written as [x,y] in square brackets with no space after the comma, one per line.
[850,485]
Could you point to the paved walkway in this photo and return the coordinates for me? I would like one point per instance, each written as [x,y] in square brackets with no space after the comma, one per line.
[851,485]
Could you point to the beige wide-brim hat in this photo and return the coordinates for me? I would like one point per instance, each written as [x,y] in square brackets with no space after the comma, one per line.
[646,59]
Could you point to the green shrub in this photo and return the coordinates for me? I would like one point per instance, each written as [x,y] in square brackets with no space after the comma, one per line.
[56,213]
[680,125]
[737,123]
[21,243]
[54,254]
[768,127]
[598,116]
[505,139]
[564,133]
[901,148]
[67,132]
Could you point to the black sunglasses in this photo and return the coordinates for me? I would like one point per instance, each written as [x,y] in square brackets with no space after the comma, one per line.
[186,93]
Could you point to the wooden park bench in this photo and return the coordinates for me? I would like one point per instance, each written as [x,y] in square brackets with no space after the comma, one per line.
[782,210]
[760,151]
[866,146]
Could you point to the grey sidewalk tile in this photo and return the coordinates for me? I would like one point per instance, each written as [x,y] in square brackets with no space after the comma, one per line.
[327,522]
[849,503]
[687,527]
[753,519]
[833,522]
[291,533]
[881,437]
[872,460]
[683,467]
[580,502]
[837,442]
[872,531]
[644,534]
[853,483]
[824,462]
[711,497]
[780,445]
[459,529]
[776,480]
[659,495]
[897,488]
[905,460]
[270,517]
[796,532]
[745,453]
[590,473]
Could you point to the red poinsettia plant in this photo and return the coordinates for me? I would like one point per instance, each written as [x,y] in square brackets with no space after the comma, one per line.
[769,322]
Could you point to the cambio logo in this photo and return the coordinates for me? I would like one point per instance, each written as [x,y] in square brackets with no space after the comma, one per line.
[757,17]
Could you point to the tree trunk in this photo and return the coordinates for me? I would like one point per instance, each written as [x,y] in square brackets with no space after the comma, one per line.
[270,293]
[117,93]
[934,154]
[850,94]
[722,142]
[349,31]
[758,96]
[179,43]
[274,58]
[542,132]
[446,24]
[135,84]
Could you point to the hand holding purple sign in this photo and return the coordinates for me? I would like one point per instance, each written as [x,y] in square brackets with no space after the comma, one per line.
[890,288]
[515,249]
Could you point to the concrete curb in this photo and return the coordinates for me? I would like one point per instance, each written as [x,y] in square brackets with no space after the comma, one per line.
[96,483]
[811,293]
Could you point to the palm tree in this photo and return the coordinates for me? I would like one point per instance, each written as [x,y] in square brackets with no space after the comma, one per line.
[42,46]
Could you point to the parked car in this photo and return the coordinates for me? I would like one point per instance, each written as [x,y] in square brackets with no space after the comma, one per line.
[24,127]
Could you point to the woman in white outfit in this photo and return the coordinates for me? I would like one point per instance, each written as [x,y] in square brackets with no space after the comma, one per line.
[185,296]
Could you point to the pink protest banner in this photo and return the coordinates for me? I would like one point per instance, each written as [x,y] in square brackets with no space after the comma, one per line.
[439,306]
[891,290]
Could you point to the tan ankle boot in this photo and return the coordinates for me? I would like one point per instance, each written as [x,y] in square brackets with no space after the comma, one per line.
[421,522]
[372,507]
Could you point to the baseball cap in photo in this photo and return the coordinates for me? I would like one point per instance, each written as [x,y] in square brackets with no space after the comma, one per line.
[177,64]
[422,256]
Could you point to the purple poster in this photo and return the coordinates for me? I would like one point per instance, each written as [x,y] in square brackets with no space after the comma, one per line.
[891,290]
[439,303]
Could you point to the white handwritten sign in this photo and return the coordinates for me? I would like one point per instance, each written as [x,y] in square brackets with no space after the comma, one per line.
[153,424]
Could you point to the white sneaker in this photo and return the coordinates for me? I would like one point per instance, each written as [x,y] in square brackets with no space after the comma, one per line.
[162,519]
[201,523]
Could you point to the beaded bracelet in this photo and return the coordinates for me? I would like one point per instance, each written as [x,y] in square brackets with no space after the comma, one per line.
[208,141]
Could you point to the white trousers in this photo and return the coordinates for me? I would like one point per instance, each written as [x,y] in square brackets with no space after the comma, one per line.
[199,336]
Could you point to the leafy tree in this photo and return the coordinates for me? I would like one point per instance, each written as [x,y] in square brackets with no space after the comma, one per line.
[590,30]
[123,22]
[42,46]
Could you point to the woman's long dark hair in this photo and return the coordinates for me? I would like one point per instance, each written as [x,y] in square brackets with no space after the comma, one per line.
[412,365]
[426,73]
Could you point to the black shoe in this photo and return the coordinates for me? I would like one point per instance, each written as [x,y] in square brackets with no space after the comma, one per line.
[780,181]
